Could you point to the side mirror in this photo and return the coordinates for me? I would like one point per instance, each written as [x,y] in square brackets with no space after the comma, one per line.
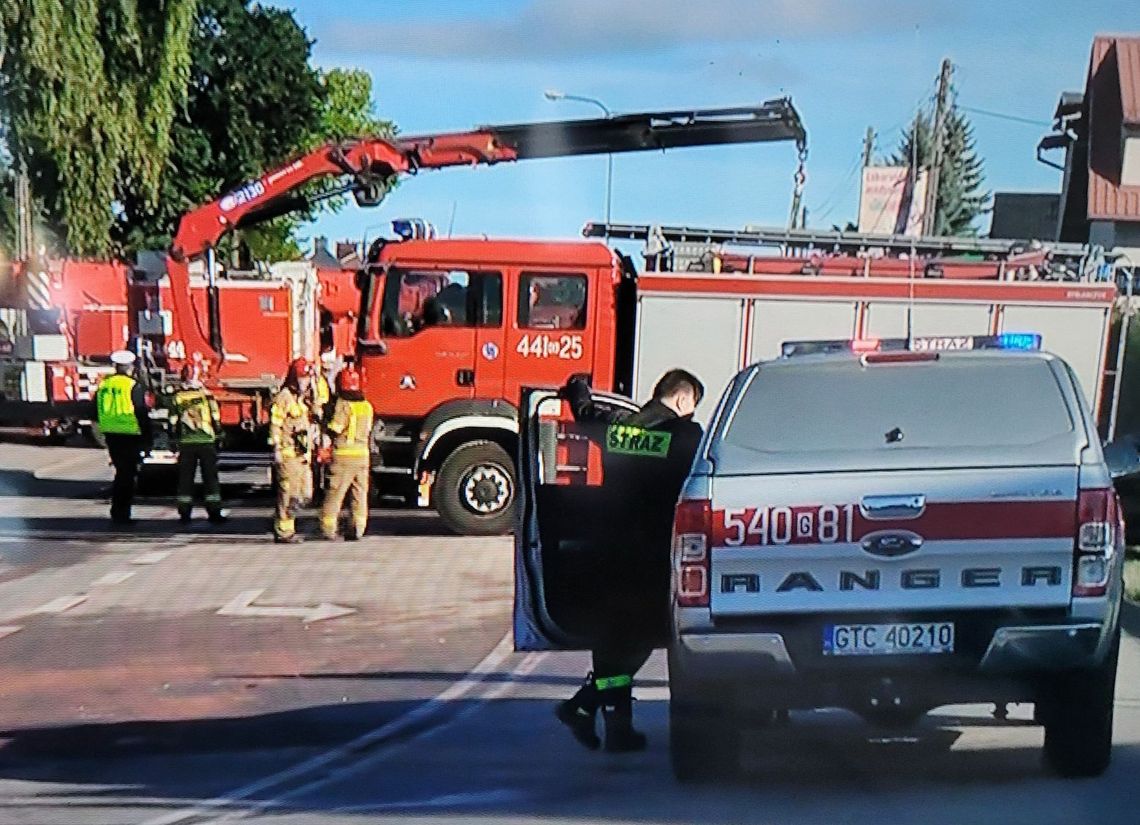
[372,346]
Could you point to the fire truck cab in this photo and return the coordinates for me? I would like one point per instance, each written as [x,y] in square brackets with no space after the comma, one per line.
[451,330]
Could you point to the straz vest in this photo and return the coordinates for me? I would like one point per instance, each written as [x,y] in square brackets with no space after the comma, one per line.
[115,406]
[196,411]
[351,426]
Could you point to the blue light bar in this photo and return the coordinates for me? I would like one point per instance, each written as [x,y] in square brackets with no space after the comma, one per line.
[1024,341]
[1019,340]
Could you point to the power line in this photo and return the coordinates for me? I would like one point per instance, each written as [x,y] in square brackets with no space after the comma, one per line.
[1003,116]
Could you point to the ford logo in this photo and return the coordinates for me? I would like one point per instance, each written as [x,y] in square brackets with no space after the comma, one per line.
[891,544]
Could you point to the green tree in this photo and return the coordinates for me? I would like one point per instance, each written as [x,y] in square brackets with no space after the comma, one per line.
[89,89]
[961,199]
[252,99]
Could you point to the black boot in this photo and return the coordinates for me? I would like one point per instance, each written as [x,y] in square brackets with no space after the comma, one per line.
[578,713]
[617,710]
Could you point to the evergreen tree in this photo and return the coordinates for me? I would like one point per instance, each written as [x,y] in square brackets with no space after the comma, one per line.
[961,199]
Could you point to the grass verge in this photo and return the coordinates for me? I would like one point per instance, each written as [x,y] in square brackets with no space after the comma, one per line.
[1132,574]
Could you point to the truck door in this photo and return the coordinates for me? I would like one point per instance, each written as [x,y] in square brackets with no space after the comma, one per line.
[429,321]
[547,339]
[559,541]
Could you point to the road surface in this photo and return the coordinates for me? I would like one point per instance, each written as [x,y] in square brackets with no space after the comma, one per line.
[208,675]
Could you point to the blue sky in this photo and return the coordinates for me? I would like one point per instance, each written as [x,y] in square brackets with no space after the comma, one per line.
[450,65]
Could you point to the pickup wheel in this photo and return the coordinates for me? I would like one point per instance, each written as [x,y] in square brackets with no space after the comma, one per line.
[474,492]
[1077,713]
[704,743]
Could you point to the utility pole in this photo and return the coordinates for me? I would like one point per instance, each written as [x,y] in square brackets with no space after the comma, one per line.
[868,146]
[934,170]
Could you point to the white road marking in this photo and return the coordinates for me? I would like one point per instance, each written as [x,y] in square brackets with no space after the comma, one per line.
[243,605]
[350,749]
[453,800]
[61,605]
[114,577]
[9,630]
[153,557]
[44,473]
[331,776]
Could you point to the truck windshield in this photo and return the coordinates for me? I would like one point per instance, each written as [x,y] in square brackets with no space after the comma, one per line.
[947,405]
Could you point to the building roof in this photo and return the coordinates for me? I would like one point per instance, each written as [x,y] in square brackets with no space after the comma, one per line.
[1113,98]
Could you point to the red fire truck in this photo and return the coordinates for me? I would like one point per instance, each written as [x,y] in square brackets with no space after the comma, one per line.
[446,370]
[449,331]
[428,390]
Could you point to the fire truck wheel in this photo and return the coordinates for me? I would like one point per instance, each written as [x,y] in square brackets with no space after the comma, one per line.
[474,492]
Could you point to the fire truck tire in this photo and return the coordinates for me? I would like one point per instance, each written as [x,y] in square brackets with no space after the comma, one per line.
[474,492]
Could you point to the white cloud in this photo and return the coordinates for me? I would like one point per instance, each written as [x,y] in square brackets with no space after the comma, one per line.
[583,29]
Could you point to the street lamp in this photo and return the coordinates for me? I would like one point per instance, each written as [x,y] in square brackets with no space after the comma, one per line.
[553,95]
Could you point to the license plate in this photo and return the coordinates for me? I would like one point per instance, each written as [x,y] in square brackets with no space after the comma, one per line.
[888,639]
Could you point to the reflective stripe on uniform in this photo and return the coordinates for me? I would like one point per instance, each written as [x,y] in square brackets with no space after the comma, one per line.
[613,682]
[115,406]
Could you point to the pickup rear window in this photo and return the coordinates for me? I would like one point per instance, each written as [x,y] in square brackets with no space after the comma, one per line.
[948,405]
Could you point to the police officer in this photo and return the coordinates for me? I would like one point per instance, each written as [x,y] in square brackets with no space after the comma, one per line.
[290,435]
[646,457]
[350,428]
[196,422]
[124,422]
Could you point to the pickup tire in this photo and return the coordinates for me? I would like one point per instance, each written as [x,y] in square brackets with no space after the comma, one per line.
[704,741]
[474,492]
[1077,713]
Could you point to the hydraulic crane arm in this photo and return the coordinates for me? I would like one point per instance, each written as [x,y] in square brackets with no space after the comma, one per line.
[369,166]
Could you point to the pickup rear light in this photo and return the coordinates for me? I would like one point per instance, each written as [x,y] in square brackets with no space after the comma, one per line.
[1100,526]
[692,531]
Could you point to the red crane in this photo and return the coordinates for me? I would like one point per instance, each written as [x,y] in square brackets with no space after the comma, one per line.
[369,166]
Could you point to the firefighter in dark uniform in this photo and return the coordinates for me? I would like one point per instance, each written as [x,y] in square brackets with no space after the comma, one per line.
[646,458]
[124,422]
[196,422]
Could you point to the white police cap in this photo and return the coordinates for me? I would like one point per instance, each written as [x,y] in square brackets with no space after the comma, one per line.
[122,357]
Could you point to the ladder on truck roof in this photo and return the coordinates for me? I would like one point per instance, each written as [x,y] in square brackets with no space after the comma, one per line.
[673,248]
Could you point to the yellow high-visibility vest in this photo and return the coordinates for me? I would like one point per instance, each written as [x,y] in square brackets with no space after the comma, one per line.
[116,406]
[351,427]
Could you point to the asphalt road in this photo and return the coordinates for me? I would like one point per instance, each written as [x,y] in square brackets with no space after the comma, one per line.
[128,698]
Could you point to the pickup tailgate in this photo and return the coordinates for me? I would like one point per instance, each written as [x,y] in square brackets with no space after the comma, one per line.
[993,537]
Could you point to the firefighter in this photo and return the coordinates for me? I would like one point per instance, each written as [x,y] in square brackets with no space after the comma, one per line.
[646,457]
[290,434]
[124,422]
[350,429]
[196,422]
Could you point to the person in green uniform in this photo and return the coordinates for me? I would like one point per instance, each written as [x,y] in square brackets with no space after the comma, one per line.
[196,423]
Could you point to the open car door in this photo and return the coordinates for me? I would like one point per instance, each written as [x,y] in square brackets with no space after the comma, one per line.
[560,536]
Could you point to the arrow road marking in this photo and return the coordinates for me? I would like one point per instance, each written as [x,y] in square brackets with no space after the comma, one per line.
[243,605]
[9,630]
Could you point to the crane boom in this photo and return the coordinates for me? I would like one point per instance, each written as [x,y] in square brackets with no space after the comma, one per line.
[369,166]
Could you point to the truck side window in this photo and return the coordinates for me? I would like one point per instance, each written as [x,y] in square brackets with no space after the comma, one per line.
[417,299]
[552,301]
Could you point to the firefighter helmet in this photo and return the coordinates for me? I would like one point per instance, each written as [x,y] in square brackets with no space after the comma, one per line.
[348,380]
[298,368]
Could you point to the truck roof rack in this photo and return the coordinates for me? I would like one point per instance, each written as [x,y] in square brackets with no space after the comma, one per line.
[812,251]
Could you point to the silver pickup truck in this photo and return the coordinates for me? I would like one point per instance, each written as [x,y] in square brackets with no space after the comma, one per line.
[888,530]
